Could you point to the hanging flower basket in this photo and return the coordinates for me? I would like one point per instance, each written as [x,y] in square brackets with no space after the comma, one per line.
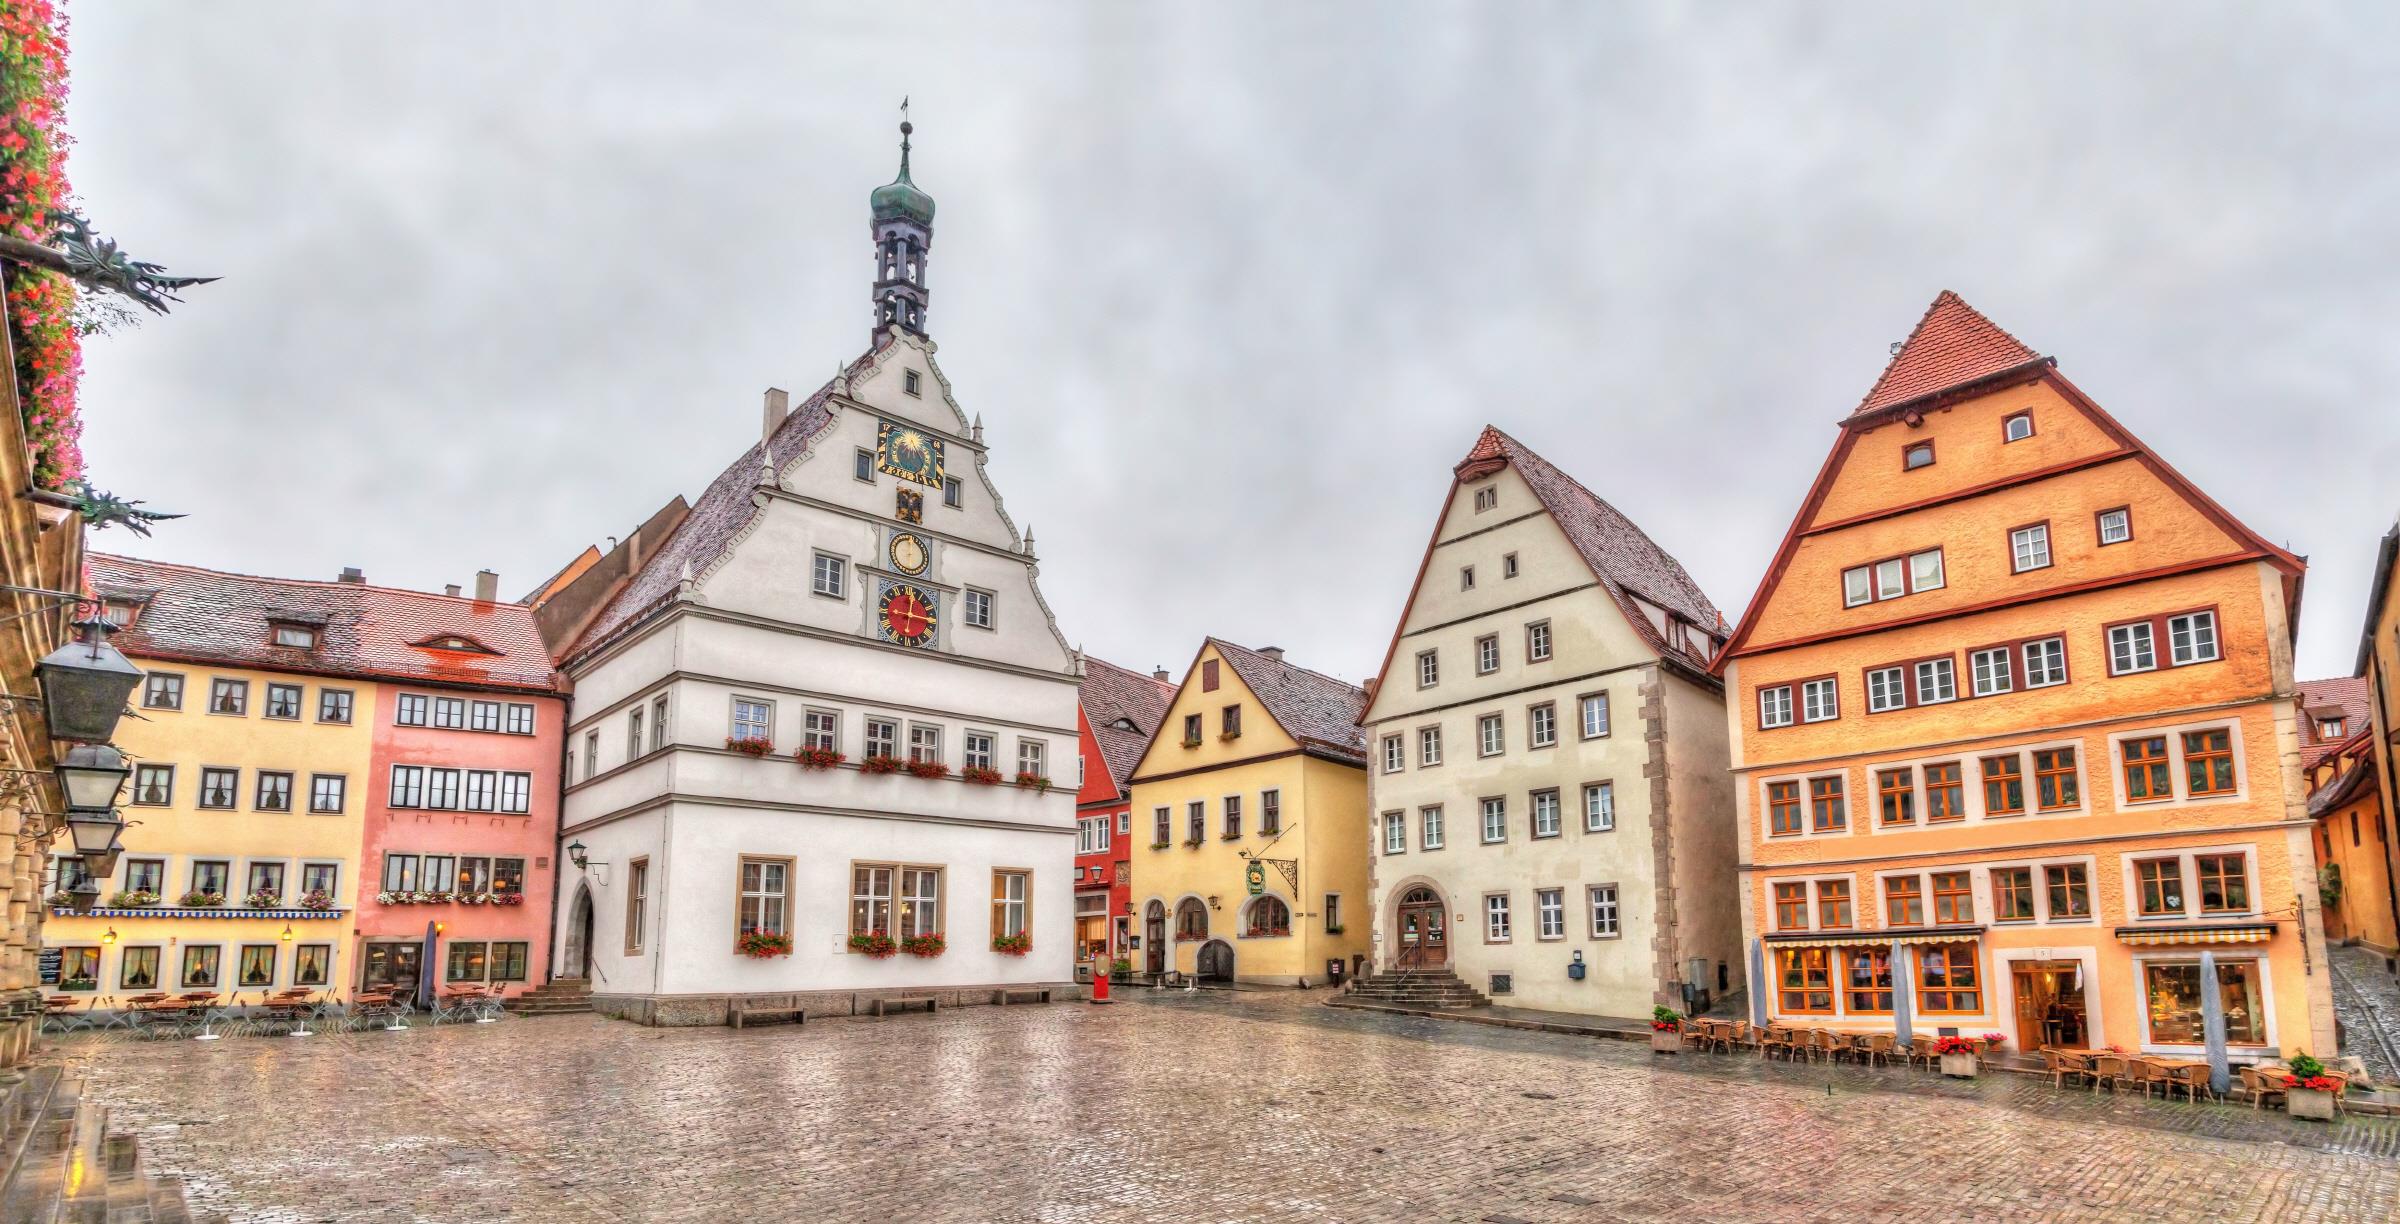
[818,758]
[750,747]
[928,769]
[927,946]
[317,899]
[876,944]
[1013,945]
[882,765]
[979,775]
[197,899]
[758,945]
[1033,781]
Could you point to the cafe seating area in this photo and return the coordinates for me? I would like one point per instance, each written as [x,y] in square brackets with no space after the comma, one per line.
[298,1012]
[1799,1044]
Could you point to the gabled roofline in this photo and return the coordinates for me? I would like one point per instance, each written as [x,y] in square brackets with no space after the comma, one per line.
[2387,554]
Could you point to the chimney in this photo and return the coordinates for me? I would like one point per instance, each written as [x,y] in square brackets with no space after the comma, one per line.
[351,573]
[1160,674]
[1272,652]
[451,590]
[487,586]
[779,406]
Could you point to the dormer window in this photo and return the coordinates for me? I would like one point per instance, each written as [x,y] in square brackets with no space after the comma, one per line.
[119,612]
[454,641]
[2332,728]
[2017,427]
[1918,454]
[297,636]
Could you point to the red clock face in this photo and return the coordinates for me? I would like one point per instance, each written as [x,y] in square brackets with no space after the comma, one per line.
[907,616]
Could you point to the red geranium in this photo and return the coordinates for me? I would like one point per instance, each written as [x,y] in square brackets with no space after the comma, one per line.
[33,183]
[928,769]
[882,765]
[818,758]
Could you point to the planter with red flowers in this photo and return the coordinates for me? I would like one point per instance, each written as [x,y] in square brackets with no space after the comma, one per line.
[2308,1091]
[1958,1055]
[1666,1031]
[882,765]
[927,946]
[759,945]
[876,944]
[1033,781]
[979,775]
[818,758]
[749,747]
[1012,945]
[928,769]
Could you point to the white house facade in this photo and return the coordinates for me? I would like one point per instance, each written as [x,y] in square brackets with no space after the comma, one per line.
[1551,820]
[813,726]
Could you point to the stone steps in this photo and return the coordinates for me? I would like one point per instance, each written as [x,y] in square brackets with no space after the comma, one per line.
[562,997]
[1418,988]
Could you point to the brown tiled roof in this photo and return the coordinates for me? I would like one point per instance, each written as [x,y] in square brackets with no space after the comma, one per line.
[716,518]
[2347,787]
[1621,555]
[1311,707]
[1953,345]
[1111,693]
[2347,693]
[207,616]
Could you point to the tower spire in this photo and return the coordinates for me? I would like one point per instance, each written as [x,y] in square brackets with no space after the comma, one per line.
[903,228]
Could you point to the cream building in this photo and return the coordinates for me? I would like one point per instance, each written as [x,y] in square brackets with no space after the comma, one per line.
[1552,818]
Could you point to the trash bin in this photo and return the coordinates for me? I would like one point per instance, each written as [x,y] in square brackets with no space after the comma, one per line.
[1334,969]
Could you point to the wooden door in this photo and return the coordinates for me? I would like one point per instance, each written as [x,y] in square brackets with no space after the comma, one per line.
[1154,938]
[1424,935]
[2032,1004]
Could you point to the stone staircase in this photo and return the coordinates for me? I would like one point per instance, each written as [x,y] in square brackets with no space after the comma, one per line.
[59,1164]
[559,997]
[1427,989]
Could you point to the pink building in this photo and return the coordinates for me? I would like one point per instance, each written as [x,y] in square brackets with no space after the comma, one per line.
[462,802]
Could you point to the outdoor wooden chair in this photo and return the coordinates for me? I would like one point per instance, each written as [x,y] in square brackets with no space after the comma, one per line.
[1734,1036]
[2145,1074]
[1773,1040]
[2260,1086]
[2108,1069]
[1875,1046]
[1830,1045]
[2192,1078]
[1920,1050]
[2060,1065]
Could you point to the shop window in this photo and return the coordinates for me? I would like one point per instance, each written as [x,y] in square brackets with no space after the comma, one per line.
[1805,978]
[2173,1011]
[1946,980]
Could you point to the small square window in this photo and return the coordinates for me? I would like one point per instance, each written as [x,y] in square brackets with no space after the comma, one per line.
[862,465]
[827,576]
[2116,526]
[1466,577]
[1508,565]
[2017,428]
[975,608]
[910,383]
[950,492]
[1918,454]
[2029,548]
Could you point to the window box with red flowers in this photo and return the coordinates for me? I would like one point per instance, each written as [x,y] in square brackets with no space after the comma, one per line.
[33,184]
[927,946]
[882,765]
[1191,936]
[1013,945]
[980,775]
[1265,932]
[928,769]
[760,945]
[818,758]
[749,747]
[1033,781]
[877,944]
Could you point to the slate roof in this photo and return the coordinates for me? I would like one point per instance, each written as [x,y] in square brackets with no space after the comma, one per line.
[1952,345]
[1110,693]
[198,615]
[718,515]
[2351,695]
[1621,555]
[1311,707]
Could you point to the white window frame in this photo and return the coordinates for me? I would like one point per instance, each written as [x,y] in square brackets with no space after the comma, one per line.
[2029,548]
[1429,669]
[1487,654]
[1395,833]
[1496,925]
[1429,747]
[1430,831]
[2026,655]
[1587,706]
[1600,817]
[829,575]
[2127,643]
[2124,522]
[1395,754]
[1607,919]
[1775,706]
[1541,724]
[736,723]
[1550,913]
[1491,735]
[1992,670]
[1820,700]
[1537,642]
[1942,673]
[1492,819]
[1891,694]
[973,598]
[2199,625]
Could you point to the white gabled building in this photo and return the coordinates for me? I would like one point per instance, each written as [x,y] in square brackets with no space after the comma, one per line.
[851,584]
[1547,757]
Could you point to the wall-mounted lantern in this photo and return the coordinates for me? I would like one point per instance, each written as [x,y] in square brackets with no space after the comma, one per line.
[85,685]
[1575,967]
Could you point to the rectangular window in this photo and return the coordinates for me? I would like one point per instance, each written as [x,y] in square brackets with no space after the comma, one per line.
[924,743]
[1537,642]
[2003,786]
[468,962]
[1486,499]
[327,792]
[1820,700]
[765,897]
[2045,662]
[1886,690]
[212,876]
[1490,738]
[1012,893]
[411,711]
[153,785]
[1333,913]
[1945,793]
[1775,706]
[1904,901]
[1395,754]
[1867,980]
[1031,757]
[822,729]
[2173,1007]
[312,964]
[753,720]
[1783,809]
[1233,817]
[319,877]
[1466,577]
[162,691]
[274,791]
[1937,681]
[1946,980]
[441,788]
[2029,548]
[2012,894]
[399,872]
[1191,730]
[1858,586]
[228,696]
[2224,881]
[1495,918]
[1953,898]
[520,719]
[883,738]
[1896,796]
[508,961]
[1508,565]
[2054,779]
[921,897]
[450,713]
[1229,722]
[265,878]
[1487,654]
[2131,649]
[1791,906]
[1595,714]
[2192,638]
[952,492]
[1429,746]
[483,716]
[633,733]
[2161,883]
[1270,812]
[1162,828]
[1599,807]
[1828,811]
[2146,773]
[1991,671]
[980,749]
[2208,762]
[975,609]
[1925,570]
[408,786]
[1495,820]
[2116,526]
[862,465]
[138,969]
[828,575]
[1429,827]
[1550,913]
[1804,981]
[1429,670]
[483,791]
[1196,822]
[516,792]
[283,701]
[1545,813]
[2070,891]
[200,966]
[1395,833]
[1833,905]
[1541,725]
[145,875]
[334,705]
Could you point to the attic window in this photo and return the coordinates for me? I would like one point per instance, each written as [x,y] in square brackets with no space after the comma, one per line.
[2017,428]
[2331,728]
[299,636]
[909,383]
[454,641]
[1918,454]
[1487,499]
[1126,724]
[119,612]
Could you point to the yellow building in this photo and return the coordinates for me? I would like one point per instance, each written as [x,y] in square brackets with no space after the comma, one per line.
[1252,802]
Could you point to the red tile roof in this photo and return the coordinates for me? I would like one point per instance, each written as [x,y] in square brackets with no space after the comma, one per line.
[1311,707]
[1953,345]
[1111,693]
[2350,695]
[196,615]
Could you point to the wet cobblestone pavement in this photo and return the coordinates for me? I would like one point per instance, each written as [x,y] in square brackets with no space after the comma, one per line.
[2367,1000]
[1183,1107]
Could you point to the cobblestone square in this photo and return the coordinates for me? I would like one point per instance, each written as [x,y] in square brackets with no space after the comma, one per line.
[1250,1106]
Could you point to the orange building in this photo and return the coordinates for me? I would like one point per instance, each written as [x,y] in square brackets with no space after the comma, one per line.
[2013,732]
[2338,766]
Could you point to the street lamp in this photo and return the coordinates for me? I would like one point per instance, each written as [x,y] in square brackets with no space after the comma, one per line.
[575,854]
[95,831]
[84,897]
[90,775]
[104,864]
[85,685]
[111,937]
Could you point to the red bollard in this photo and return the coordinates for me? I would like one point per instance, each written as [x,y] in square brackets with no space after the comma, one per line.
[1100,985]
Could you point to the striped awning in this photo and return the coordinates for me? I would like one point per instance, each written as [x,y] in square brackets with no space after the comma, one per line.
[153,911]
[2238,933]
[1875,939]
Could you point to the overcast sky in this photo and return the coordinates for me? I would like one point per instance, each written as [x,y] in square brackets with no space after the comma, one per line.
[1232,286]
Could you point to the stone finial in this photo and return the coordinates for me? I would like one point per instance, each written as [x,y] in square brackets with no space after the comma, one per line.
[1028,539]
[766,465]
[978,429]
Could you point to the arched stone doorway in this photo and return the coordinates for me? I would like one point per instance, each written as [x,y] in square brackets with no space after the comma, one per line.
[1154,938]
[577,950]
[1216,962]
[1421,922]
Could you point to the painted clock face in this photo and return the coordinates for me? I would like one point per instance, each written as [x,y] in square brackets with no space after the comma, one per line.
[908,553]
[906,615]
[906,452]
